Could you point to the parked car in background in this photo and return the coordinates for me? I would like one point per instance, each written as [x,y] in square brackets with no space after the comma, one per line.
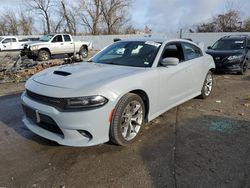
[49,45]
[9,43]
[111,96]
[231,53]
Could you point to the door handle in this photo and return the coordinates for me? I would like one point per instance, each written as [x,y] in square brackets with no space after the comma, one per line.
[62,44]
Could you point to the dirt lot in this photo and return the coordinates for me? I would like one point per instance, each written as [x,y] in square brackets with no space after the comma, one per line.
[198,144]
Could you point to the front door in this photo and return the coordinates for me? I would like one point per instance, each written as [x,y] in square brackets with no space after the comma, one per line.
[175,81]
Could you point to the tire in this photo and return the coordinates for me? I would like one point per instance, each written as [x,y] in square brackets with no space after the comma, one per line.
[207,86]
[244,68]
[43,55]
[83,53]
[127,120]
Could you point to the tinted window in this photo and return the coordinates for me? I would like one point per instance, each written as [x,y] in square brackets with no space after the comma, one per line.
[229,44]
[13,40]
[67,38]
[191,51]
[58,38]
[173,50]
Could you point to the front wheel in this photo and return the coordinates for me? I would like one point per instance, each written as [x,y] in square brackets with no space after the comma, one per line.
[127,119]
[207,86]
[244,68]
[43,55]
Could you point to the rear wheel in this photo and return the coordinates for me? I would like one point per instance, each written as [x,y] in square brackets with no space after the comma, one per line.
[207,86]
[43,55]
[83,53]
[127,119]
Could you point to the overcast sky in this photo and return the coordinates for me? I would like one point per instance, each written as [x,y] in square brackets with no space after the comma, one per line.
[170,15]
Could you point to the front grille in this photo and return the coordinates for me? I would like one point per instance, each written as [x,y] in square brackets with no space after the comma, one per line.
[220,59]
[45,121]
[58,103]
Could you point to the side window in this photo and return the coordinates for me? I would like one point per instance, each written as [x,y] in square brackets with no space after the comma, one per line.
[173,50]
[13,40]
[67,38]
[6,41]
[191,51]
[58,38]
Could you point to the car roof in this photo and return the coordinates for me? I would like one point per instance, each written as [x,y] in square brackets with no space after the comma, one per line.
[159,40]
[235,37]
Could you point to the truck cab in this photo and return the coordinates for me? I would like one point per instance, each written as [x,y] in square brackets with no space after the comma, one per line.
[9,43]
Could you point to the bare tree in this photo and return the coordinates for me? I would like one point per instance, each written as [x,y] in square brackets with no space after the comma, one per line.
[91,14]
[114,14]
[26,25]
[246,25]
[42,8]
[228,22]
[11,22]
[69,14]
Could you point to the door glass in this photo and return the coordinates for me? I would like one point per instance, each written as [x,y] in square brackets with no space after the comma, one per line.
[191,51]
[7,41]
[58,38]
[13,40]
[173,50]
[67,38]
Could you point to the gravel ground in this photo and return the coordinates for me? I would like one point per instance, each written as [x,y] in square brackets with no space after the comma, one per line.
[202,143]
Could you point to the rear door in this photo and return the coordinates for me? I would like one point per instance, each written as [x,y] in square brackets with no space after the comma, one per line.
[15,44]
[68,44]
[176,82]
[197,65]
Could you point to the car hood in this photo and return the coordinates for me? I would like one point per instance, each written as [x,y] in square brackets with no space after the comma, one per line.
[224,52]
[35,43]
[83,75]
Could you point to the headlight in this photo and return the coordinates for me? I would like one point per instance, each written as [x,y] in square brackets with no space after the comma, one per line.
[34,47]
[235,57]
[85,102]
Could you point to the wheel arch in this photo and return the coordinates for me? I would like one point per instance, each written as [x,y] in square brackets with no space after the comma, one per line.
[145,98]
[46,49]
[84,46]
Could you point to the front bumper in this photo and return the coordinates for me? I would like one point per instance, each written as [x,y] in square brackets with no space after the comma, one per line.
[228,66]
[30,53]
[95,122]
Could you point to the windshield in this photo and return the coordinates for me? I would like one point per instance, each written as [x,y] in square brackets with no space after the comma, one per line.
[129,53]
[46,38]
[1,38]
[229,45]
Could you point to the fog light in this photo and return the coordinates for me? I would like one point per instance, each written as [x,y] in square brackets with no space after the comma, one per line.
[85,134]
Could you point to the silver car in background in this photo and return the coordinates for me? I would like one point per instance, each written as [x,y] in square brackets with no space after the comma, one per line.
[109,98]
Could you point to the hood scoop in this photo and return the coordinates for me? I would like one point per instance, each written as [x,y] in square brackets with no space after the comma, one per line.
[62,73]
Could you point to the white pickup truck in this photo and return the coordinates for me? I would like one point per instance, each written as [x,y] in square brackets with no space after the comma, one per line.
[49,45]
[8,43]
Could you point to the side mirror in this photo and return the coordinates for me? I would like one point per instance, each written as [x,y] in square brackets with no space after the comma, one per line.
[117,39]
[170,61]
[209,47]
